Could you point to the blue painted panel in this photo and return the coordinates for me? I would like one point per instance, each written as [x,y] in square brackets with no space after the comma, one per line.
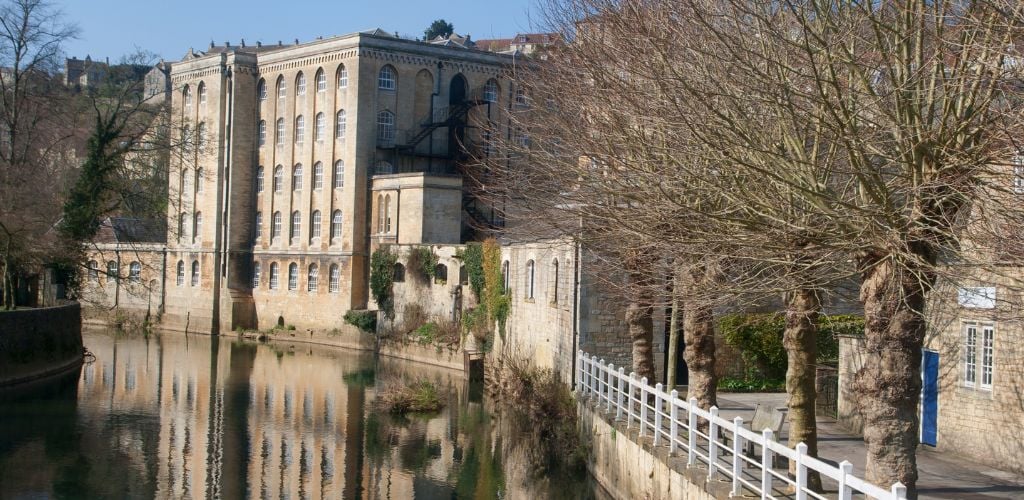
[930,399]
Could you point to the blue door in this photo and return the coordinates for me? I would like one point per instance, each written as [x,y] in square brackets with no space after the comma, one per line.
[930,399]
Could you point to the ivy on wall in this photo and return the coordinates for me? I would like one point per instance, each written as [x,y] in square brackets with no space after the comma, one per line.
[382,277]
[473,258]
[495,299]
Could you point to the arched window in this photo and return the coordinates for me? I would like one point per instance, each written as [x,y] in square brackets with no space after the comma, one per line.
[195,273]
[383,168]
[280,132]
[259,179]
[300,129]
[181,225]
[135,272]
[282,89]
[399,276]
[386,78]
[296,227]
[261,90]
[112,270]
[339,174]
[339,129]
[318,176]
[197,227]
[199,180]
[275,229]
[531,271]
[180,281]
[335,279]
[491,91]
[380,213]
[201,90]
[300,84]
[441,274]
[554,281]
[263,132]
[463,275]
[319,124]
[312,278]
[255,274]
[297,177]
[278,178]
[321,81]
[183,181]
[521,97]
[385,129]
[504,277]
[200,136]
[293,276]
[94,273]
[259,225]
[274,275]
[342,77]
[336,224]
[387,213]
[186,95]
[314,226]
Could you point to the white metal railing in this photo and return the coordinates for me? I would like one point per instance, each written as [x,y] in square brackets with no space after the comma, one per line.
[707,438]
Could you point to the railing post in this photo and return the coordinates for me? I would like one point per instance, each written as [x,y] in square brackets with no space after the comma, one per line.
[657,414]
[801,472]
[618,402]
[674,424]
[593,377]
[899,492]
[629,411]
[712,443]
[737,451]
[608,385]
[579,373]
[691,433]
[643,405]
[845,469]
[600,391]
[766,464]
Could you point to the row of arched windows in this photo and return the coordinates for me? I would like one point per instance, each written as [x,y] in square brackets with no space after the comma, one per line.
[297,173]
[186,95]
[134,270]
[312,277]
[319,129]
[300,84]
[530,279]
[295,226]
[180,274]
[197,226]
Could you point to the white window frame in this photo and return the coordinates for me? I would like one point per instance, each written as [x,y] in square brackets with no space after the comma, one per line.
[337,224]
[259,178]
[987,355]
[255,274]
[340,125]
[275,275]
[343,77]
[180,278]
[293,276]
[318,176]
[196,273]
[300,85]
[297,177]
[334,285]
[314,219]
[313,278]
[321,81]
[970,336]
[300,129]
[296,225]
[259,224]
[319,124]
[386,78]
[263,132]
[279,140]
[339,174]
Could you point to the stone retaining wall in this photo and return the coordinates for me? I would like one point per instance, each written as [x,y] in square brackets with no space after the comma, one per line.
[35,343]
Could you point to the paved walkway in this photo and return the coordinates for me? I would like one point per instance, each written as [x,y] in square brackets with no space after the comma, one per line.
[941,475]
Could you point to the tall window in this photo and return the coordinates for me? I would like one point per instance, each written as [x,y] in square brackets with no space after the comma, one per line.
[200,136]
[186,95]
[263,132]
[259,179]
[339,174]
[383,168]
[261,90]
[195,273]
[335,279]
[314,226]
[531,272]
[380,213]
[554,282]
[979,351]
[199,180]
[387,214]
[293,276]
[297,177]
[336,224]
[318,176]
[180,274]
[202,94]
[300,129]
[278,178]
[320,123]
[296,224]
[300,84]
[280,132]
[312,278]
[274,275]
[505,283]
[386,78]
[321,81]
[112,270]
[385,129]
[342,77]
[491,91]
[339,129]
[521,97]
[987,355]
[282,90]
[275,228]
[197,227]
[94,273]
[259,225]
[255,274]
[135,272]
[181,225]
[1018,174]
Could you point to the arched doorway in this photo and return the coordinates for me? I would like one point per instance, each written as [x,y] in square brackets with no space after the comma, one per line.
[457,129]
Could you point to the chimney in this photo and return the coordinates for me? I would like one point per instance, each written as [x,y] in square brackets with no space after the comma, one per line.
[212,45]
[259,44]
[296,41]
[227,45]
[243,42]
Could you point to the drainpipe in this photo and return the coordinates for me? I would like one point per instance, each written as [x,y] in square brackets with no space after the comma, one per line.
[577,298]
[163,281]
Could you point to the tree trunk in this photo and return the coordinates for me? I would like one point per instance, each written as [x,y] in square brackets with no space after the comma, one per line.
[699,353]
[800,341]
[673,344]
[888,386]
[641,333]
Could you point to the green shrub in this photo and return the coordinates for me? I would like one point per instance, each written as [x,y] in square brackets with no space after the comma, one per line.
[426,333]
[363,320]
[759,339]
[418,396]
[473,257]
[382,277]
[422,263]
[728,384]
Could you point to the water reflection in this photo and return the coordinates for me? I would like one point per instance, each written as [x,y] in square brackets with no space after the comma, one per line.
[172,416]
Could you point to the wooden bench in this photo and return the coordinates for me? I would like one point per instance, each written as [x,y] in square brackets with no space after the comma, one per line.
[766,418]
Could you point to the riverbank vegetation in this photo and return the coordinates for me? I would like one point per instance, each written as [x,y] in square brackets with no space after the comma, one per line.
[417,396]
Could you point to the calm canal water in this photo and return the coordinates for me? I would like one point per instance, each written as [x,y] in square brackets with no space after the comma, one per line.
[174,416]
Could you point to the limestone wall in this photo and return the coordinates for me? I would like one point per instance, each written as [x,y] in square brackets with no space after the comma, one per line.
[851,359]
[38,342]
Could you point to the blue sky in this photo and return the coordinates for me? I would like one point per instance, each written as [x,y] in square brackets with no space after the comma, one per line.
[113,28]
